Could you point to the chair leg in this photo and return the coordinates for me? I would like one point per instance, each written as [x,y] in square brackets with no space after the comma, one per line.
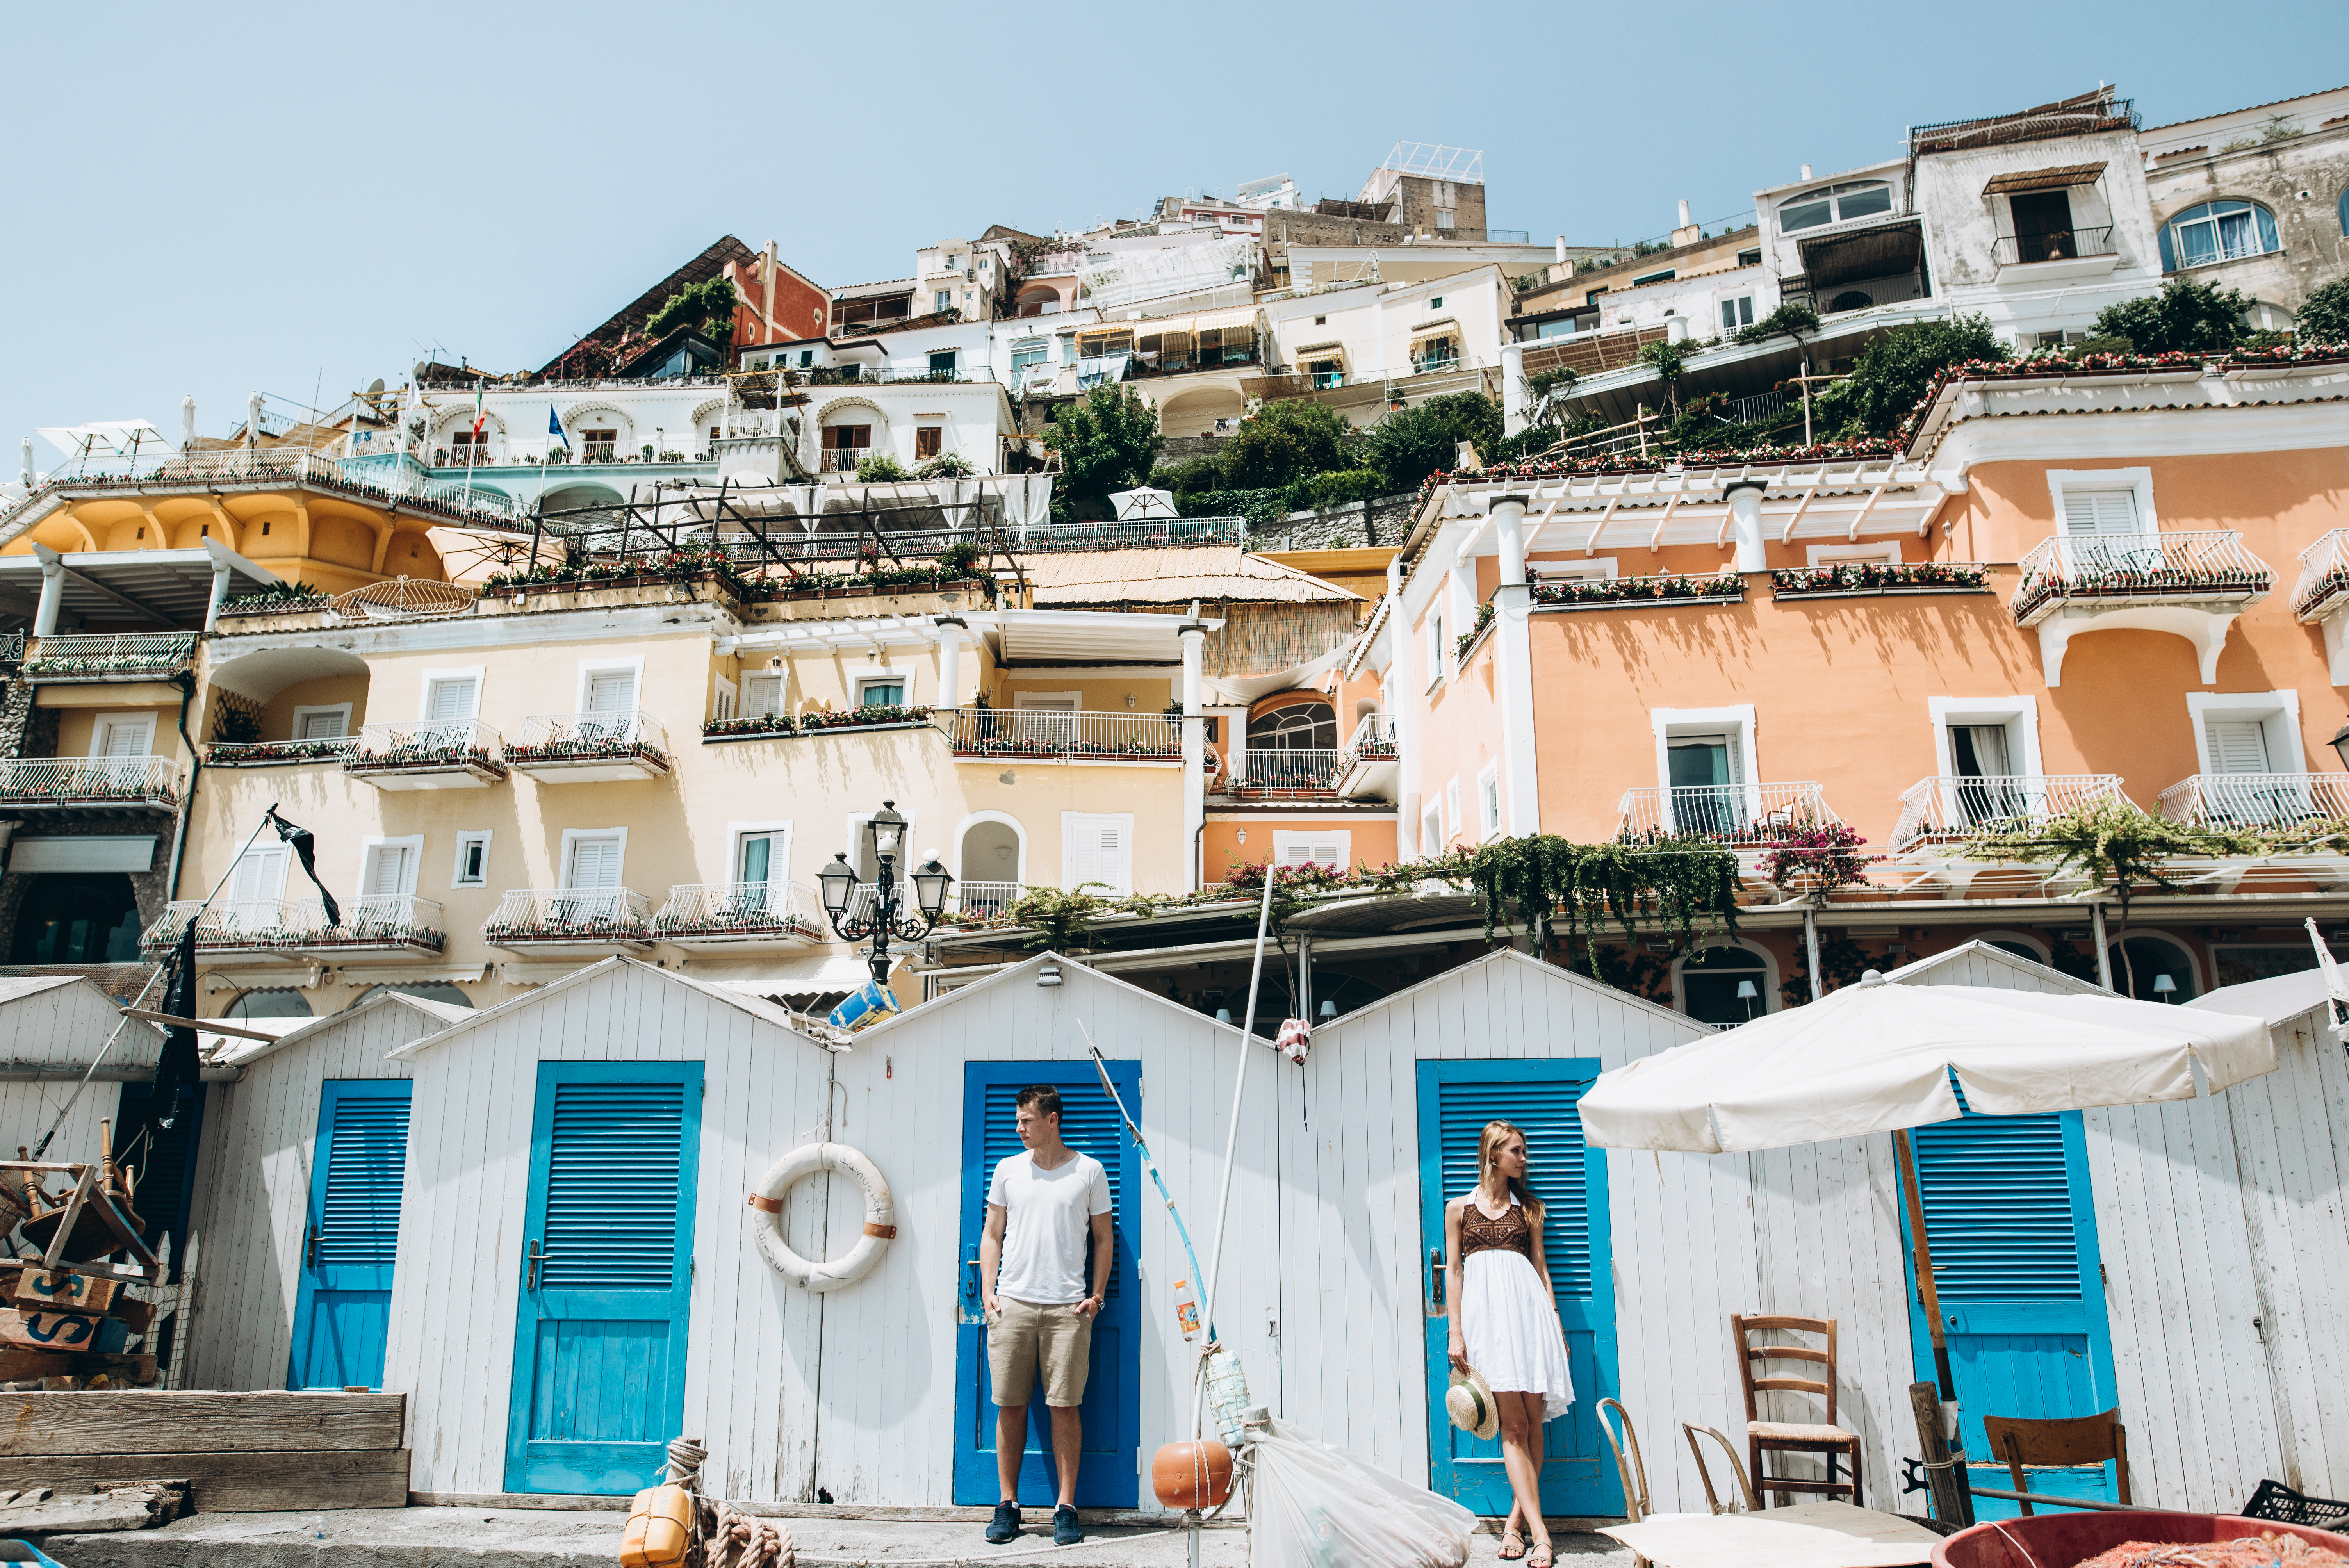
[1856,1500]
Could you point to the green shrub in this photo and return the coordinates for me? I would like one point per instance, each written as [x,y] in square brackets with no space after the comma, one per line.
[1342,487]
[1284,442]
[1108,440]
[1407,446]
[1894,370]
[946,466]
[1262,508]
[2188,316]
[2325,316]
[880,469]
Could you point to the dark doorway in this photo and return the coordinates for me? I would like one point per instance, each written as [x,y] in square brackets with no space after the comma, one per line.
[2042,225]
[79,917]
[166,1167]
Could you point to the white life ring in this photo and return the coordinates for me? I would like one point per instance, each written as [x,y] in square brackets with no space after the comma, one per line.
[880,1215]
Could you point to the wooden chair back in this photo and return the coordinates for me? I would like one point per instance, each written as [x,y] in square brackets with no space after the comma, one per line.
[2060,1440]
[1752,1504]
[1633,1470]
[1742,1329]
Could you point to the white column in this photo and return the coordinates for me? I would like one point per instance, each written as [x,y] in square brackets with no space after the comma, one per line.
[1194,749]
[1746,521]
[1407,684]
[53,588]
[1513,666]
[949,662]
[219,597]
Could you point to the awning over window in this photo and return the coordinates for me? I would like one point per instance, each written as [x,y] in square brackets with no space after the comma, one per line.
[1332,350]
[1427,332]
[1883,252]
[2057,178]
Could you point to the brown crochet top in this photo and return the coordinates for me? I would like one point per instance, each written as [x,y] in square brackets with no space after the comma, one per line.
[1510,1232]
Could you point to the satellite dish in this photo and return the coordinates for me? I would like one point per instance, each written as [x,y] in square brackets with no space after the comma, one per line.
[375,387]
[417,374]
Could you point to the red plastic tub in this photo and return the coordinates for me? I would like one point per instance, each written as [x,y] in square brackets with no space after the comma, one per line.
[2067,1539]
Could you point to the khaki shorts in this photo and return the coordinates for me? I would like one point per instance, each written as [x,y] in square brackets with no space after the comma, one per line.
[1024,1334]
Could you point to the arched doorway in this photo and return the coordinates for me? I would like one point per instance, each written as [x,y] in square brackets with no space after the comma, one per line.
[430,990]
[1292,742]
[989,867]
[76,917]
[274,1002]
[1725,987]
[2164,972]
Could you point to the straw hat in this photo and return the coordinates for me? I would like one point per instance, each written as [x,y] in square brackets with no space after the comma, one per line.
[1470,1404]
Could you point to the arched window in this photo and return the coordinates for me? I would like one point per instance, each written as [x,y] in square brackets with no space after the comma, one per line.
[2164,972]
[1725,987]
[271,1001]
[431,990]
[1301,725]
[1833,204]
[2217,231]
[1851,299]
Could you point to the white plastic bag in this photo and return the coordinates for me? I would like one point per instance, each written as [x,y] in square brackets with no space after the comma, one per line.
[1314,1506]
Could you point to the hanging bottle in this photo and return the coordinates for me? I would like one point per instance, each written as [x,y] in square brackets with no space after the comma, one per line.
[1186,1309]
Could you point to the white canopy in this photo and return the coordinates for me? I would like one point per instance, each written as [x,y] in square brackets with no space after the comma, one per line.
[116,435]
[1146,502]
[1876,1057]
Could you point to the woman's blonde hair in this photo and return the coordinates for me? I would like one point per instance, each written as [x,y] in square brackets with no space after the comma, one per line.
[1491,1138]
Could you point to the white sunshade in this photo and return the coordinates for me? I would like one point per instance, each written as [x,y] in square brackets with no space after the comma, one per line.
[1877,1057]
[116,435]
[1135,504]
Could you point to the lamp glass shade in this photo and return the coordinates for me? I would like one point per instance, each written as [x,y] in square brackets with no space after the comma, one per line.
[2163,984]
[1745,990]
[887,831]
[930,889]
[838,881]
[2340,745]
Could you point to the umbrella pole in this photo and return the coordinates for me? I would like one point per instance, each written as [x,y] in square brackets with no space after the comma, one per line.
[1952,1494]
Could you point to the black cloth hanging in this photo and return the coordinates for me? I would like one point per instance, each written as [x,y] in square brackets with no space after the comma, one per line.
[305,851]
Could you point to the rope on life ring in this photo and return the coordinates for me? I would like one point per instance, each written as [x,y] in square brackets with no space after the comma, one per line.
[880,1216]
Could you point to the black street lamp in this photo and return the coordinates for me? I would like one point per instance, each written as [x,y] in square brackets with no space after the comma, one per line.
[2340,744]
[884,837]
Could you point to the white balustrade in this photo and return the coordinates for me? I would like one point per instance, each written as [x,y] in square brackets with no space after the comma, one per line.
[1061,732]
[109,654]
[741,909]
[1738,816]
[987,901]
[1953,806]
[2138,568]
[2323,575]
[89,780]
[570,913]
[425,743]
[2257,799]
[1287,767]
[583,737]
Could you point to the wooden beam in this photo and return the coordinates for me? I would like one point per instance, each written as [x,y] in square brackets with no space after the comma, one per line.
[100,1423]
[238,1482]
[1656,544]
[117,600]
[1874,496]
[1804,504]
[210,1025]
[1590,545]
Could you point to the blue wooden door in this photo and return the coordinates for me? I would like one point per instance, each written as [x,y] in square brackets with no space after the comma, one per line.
[2008,1209]
[350,1235]
[1540,1095]
[607,1276]
[1107,1472]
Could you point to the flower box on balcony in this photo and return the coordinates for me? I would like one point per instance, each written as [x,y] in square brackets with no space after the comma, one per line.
[276,753]
[1614,593]
[1858,579]
[522,754]
[751,727]
[430,754]
[43,782]
[872,716]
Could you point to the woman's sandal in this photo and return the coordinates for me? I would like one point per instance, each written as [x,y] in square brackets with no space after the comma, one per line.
[1511,1538]
[1541,1557]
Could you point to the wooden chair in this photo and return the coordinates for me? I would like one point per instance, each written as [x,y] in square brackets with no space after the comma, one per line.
[1752,1504]
[1633,1471]
[2073,1440]
[1794,1437]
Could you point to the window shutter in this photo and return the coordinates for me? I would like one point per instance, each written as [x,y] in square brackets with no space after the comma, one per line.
[386,869]
[1998,1207]
[259,877]
[321,725]
[595,862]
[615,1158]
[358,1225]
[2100,511]
[2238,746]
[1556,1165]
[453,699]
[762,694]
[614,692]
[126,739]
[1084,857]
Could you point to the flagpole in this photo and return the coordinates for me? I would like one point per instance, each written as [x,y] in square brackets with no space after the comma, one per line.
[472,452]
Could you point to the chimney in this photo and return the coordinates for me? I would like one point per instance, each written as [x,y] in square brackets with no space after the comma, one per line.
[1686,232]
[1806,171]
[1684,218]
[1561,247]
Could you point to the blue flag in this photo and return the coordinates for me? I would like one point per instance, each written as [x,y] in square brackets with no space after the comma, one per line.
[553,425]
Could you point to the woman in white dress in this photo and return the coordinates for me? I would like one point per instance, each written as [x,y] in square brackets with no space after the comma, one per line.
[1504,1322]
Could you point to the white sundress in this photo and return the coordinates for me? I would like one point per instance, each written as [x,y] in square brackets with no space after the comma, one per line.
[1507,1318]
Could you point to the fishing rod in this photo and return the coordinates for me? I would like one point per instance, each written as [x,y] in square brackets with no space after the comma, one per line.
[1101,1066]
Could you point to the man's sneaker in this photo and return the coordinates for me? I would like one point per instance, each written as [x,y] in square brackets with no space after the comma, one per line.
[1066,1531]
[1006,1523]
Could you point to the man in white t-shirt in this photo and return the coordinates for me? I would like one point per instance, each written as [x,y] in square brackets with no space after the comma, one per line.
[1040,1206]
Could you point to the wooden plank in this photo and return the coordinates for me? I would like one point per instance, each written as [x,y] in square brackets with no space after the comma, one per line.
[110,1423]
[62,1291]
[236,1483]
[24,1365]
[132,1506]
[76,1331]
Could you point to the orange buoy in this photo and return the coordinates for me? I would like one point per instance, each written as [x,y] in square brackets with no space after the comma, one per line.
[1192,1475]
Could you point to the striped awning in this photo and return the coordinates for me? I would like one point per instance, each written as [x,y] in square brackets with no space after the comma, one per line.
[2057,178]
[1330,350]
[1429,331]
[1094,342]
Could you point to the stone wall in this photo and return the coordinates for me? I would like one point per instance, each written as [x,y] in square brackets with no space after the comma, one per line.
[1354,526]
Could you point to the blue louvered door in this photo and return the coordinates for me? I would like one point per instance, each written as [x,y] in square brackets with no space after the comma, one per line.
[606,1260]
[350,1235]
[2013,1228]
[1456,1098]
[1107,1472]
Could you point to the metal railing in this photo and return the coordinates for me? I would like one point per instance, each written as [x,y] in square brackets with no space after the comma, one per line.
[587,737]
[756,909]
[843,460]
[467,457]
[599,451]
[569,913]
[425,743]
[270,923]
[2063,245]
[1373,740]
[1287,767]
[1060,732]
[2137,568]
[2323,575]
[1951,808]
[1741,816]
[257,753]
[89,780]
[2257,799]
[987,900]
[1746,410]
[118,654]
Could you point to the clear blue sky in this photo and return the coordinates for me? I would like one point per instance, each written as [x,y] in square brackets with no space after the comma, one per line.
[208,199]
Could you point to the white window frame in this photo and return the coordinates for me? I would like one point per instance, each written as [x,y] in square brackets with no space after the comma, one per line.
[572,836]
[1123,821]
[783,678]
[474,673]
[737,831]
[302,711]
[1018,840]
[590,668]
[1036,699]
[2140,482]
[2020,714]
[1284,839]
[466,839]
[858,677]
[725,700]
[368,846]
[1431,829]
[1886,551]
[1452,807]
[273,850]
[1736,721]
[144,722]
[1772,999]
[2277,713]
[1488,801]
[1439,660]
[1729,302]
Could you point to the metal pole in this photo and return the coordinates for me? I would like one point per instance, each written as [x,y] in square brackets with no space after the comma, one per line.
[2103,953]
[1929,1296]
[1232,1137]
[1811,945]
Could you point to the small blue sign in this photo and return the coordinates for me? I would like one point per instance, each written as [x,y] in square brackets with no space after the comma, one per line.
[868,1004]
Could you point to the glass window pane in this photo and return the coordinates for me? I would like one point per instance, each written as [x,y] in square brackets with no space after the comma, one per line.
[756,847]
[1806,215]
[1860,203]
[2196,244]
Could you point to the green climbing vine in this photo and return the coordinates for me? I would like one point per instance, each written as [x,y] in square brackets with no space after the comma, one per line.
[1683,884]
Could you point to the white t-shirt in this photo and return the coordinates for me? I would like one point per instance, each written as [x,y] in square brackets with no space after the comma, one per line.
[1048,1214]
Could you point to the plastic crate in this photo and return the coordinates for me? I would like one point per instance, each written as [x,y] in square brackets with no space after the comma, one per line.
[2275,1500]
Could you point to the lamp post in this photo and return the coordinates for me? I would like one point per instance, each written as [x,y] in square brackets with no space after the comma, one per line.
[884,837]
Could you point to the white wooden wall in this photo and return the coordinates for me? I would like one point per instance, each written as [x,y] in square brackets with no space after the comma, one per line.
[254,1167]
[62,1024]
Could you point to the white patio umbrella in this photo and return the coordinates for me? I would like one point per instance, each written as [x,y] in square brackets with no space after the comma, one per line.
[1878,1058]
[1138,505]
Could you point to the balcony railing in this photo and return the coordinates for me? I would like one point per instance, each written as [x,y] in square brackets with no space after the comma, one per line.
[599,451]
[2324,576]
[1950,809]
[556,916]
[135,656]
[468,457]
[36,781]
[988,901]
[372,922]
[843,460]
[2064,245]
[1288,769]
[740,912]
[274,753]
[2257,799]
[570,740]
[2112,569]
[1373,740]
[1740,816]
[425,746]
[1059,732]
